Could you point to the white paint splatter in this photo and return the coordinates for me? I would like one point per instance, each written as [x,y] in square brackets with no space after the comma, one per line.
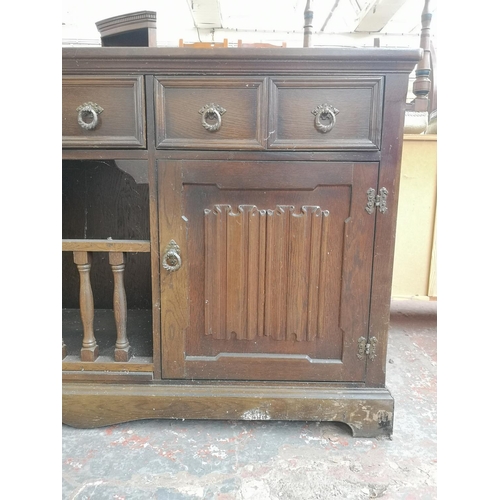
[216,452]
[256,414]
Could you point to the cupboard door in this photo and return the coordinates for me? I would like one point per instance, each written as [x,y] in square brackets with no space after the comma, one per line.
[266,269]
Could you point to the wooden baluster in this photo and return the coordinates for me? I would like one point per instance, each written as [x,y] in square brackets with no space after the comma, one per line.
[90,350]
[64,351]
[422,83]
[122,347]
[308,18]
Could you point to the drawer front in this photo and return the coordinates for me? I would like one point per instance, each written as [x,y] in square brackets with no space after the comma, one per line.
[340,113]
[103,112]
[209,113]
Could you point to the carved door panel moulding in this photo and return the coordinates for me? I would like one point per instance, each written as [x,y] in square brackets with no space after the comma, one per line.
[264,268]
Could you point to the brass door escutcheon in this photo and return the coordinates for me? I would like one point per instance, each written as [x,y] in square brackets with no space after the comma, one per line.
[172,257]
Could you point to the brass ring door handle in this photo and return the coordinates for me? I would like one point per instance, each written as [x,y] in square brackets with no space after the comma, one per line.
[89,108]
[211,111]
[324,112]
[172,257]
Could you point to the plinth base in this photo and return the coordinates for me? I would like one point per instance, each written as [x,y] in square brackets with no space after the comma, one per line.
[367,411]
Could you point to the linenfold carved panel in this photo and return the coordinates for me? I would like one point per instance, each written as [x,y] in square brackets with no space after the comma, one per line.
[263,272]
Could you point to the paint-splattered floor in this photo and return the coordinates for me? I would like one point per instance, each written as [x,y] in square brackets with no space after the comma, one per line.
[233,460]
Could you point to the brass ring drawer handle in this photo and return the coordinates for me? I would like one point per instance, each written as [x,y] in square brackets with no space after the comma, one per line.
[172,257]
[211,112]
[89,108]
[324,112]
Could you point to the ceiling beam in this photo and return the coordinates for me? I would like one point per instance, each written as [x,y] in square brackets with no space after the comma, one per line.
[330,14]
[206,14]
[376,14]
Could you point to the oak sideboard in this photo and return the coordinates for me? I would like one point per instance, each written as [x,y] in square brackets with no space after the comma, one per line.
[228,233]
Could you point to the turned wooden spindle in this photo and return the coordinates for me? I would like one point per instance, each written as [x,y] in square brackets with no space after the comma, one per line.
[122,346]
[308,19]
[90,350]
[422,83]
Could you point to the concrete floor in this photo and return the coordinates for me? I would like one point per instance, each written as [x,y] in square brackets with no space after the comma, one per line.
[233,460]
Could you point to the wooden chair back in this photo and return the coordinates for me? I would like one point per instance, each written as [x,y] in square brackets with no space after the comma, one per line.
[204,45]
[260,45]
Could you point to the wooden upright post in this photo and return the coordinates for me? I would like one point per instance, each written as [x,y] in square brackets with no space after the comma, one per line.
[308,18]
[422,84]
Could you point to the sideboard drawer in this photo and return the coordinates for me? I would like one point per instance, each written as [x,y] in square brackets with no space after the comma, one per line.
[335,113]
[103,112]
[208,113]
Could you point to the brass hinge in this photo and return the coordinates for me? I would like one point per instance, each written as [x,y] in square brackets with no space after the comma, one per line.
[380,200]
[367,347]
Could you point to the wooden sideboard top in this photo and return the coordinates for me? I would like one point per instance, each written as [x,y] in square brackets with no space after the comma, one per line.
[233,60]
